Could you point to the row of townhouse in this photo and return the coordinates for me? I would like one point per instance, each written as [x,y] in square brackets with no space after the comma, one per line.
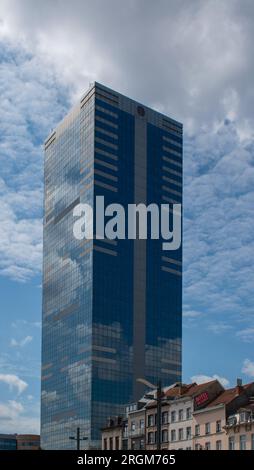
[193,417]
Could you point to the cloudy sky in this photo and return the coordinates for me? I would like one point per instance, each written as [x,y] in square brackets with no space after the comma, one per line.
[190,59]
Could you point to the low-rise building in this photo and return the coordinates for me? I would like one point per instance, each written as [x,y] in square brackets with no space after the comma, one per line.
[140,424]
[28,442]
[172,397]
[136,426]
[190,399]
[19,442]
[8,442]
[193,417]
[115,435]
[209,423]
[151,426]
[240,428]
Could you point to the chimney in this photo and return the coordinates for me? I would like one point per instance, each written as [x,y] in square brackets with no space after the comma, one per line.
[239,386]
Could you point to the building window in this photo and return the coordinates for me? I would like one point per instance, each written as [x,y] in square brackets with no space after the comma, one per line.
[232,420]
[188,413]
[164,417]
[125,444]
[133,426]
[150,438]
[197,430]
[130,408]
[218,426]
[141,424]
[252,442]
[207,446]
[218,445]
[111,443]
[105,445]
[173,416]
[207,428]
[150,420]
[242,417]
[231,443]
[243,442]
[164,435]
[117,443]
[180,434]
[188,432]
[125,430]
[142,444]
[180,415]
[173,435]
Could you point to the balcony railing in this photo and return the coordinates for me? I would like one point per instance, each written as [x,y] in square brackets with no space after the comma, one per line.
[236,420]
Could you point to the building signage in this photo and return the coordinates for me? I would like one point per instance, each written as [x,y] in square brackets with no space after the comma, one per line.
[202,398]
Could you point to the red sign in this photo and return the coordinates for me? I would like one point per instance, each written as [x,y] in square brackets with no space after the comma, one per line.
[202,398]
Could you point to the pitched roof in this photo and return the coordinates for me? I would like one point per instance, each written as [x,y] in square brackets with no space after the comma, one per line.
[183,390]
[228,395]
[179,390]
[199,388]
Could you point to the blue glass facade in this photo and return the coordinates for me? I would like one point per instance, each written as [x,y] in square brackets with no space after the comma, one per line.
[8,442]
[111,308]
[164,269]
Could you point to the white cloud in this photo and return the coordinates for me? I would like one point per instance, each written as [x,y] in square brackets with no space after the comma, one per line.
[21,364]
[13,381]
[203,87]
[191,314]
[168,54]
[248,368]
[201,378]
[25,323]
[10,410]
[246,335]
[14,418]
[38,106]
[49,397]
[218,216]
[23,342]
[219,328]
[22,424]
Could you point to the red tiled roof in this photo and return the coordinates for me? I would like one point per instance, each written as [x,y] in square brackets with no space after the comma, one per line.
[199,388]
[227,396]
[183,390]
[172,391]
[175,391]
[189,390]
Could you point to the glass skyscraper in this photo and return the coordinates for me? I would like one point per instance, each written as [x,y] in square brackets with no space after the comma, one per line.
[112,309]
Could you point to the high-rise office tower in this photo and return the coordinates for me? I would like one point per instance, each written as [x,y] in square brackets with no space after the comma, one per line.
[112,309]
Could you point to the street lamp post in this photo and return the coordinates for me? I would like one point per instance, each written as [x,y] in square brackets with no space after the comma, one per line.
[158,399]
[78,439]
